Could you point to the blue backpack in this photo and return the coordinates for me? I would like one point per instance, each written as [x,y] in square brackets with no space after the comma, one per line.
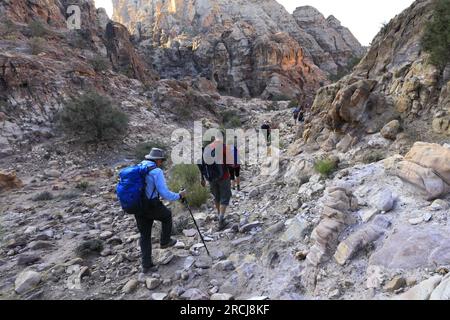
[131,187]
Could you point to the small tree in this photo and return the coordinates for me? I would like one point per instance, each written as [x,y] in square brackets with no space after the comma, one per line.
[436,39]
[93,117]
[37,29]
[293,103]
[37,45]
[325,167]
[231,119]
[7,28]
[99,63]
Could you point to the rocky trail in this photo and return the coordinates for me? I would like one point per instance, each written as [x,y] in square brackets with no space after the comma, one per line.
[270,250]
[42,237]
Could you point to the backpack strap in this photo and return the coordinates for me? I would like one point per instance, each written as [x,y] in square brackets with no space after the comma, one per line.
[154,189]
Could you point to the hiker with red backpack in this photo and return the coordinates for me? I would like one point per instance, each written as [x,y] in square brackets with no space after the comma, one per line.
[139,192]
[217,174]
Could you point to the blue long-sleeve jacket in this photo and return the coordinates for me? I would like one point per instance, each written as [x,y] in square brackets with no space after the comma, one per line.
[157,176]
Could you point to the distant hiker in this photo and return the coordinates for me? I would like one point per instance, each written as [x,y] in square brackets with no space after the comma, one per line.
[218,176]
[235,169]
[296,113]
[266,127]
[152,208]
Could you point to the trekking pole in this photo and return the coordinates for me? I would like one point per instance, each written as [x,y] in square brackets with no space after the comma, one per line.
[196,225]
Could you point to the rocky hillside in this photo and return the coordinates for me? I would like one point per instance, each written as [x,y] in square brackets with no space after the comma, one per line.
[332,37]
[393,86]
[43,64]
[248,48]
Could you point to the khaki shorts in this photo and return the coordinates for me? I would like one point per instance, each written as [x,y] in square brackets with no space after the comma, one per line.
[221,191]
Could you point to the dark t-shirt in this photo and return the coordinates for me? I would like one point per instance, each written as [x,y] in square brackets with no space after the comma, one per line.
[226,173]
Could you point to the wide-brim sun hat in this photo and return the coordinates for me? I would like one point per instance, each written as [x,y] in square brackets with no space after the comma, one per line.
[156,154]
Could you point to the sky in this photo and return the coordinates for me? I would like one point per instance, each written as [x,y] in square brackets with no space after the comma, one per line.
[364,18]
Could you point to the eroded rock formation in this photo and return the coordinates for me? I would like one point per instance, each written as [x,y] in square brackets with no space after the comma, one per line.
[248,48]
[394,81]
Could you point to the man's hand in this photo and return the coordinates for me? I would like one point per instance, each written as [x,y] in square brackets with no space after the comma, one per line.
[182,194]
[203,183]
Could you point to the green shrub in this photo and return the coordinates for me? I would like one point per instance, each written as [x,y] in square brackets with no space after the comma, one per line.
[79,39]
[37,29]
[325,167]
[436,39]
[88,248]
[43,196]
[231,119]
[373,156]
[83,185]
[99,63]
[93,117]
[144,148]
[279,97]
[273,106]
[37,45]
[7,28]
[2,232]
[69,195]
[343,71]
[354,61]
[293,103]
[188,176]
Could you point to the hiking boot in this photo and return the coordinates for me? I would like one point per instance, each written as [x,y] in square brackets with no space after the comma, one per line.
[171,243]
[222,224]
[150,269]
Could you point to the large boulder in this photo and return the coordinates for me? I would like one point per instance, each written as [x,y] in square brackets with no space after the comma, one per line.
[26,281]
[391,130]
[427,166]
[422,291]
[442,291]
[411,247]
[431,155]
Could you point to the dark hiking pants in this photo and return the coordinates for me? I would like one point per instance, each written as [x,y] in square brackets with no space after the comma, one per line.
[153,211]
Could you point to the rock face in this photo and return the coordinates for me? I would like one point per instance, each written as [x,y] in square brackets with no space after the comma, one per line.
[392,82]
[248,48]
[122,54]
[334,39]
[33,87]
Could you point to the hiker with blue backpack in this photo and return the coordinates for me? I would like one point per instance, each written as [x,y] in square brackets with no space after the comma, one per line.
[139,192]
[217,174]
[298,114]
